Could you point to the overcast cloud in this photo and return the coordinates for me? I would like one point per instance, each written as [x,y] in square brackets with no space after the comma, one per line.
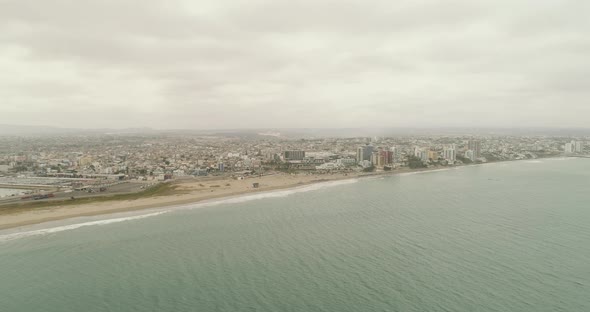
[286,63]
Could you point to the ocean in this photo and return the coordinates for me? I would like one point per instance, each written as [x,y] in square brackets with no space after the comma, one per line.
[512,236]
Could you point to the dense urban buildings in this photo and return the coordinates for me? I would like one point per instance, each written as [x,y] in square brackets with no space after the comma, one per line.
[293,155]
[475,146]
[364,153]
[96,162]
[450,153]
[574,147]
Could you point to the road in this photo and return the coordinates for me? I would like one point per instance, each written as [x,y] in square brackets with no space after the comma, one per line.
[123,188]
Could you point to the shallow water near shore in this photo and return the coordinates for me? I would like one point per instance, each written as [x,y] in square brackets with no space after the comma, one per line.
[103,219]
[501,237]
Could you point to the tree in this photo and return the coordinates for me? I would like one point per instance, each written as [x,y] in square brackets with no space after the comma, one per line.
[415,162]
[465,160]
[20,168]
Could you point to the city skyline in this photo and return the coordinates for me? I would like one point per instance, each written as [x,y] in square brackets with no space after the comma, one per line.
[308,155]
[280,64]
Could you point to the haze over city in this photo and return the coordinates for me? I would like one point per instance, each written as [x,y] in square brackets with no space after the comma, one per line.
[292,64]
[294,155]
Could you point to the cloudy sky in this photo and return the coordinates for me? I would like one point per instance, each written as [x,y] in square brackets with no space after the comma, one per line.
[305,63]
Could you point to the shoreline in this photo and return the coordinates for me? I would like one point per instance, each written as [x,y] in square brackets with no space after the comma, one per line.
[196,192]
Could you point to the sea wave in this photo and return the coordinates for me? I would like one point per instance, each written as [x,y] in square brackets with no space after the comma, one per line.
[229,200]
[17,235]
[560,158]
[427,171]
[269,194]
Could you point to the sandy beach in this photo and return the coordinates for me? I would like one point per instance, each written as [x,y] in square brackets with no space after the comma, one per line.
[186,193]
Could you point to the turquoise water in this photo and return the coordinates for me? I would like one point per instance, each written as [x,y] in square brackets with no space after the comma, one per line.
[499,237]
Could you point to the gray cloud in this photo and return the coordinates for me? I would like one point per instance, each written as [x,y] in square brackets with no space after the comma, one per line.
[228,64]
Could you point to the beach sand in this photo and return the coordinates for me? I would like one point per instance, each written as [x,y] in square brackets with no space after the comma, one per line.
[192,191]
[187,192]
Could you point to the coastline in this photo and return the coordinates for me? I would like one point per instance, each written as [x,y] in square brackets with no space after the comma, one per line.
[192,192]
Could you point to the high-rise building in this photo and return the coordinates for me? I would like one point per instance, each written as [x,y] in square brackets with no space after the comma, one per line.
[293,155]
[395,154]
[423,155]
[578,147]
[381,158]
[469,154]
[376,159]
[420,153]
[450,153]
[573,147]
[433,155]
[387,157]
[364,153]
[475,146]
[368,151]
[359,154]
[570,147]
[417,151]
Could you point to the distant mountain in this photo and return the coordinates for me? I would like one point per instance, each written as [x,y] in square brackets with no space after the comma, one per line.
[270,133]
[458,131]
[28,130]
[18,130]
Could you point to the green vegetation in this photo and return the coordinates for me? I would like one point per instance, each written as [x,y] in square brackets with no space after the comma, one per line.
[286,170]
[491,157]
[20,168]
[465,160]
[415,162]
[161,189]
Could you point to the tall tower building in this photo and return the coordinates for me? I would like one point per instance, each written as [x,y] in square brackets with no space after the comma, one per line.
[368,152]
[433,155]
[293,155]
[475,146]
[578,147]
[570,147]
[387,157]
[378,159]
[417,151]
[450,153]
[359,154]
[395,154]
[364,153]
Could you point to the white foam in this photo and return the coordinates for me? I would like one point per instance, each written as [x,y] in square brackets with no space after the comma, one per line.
[426,171]
[270,194]
[561,158]
[230,200]
[12,236]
